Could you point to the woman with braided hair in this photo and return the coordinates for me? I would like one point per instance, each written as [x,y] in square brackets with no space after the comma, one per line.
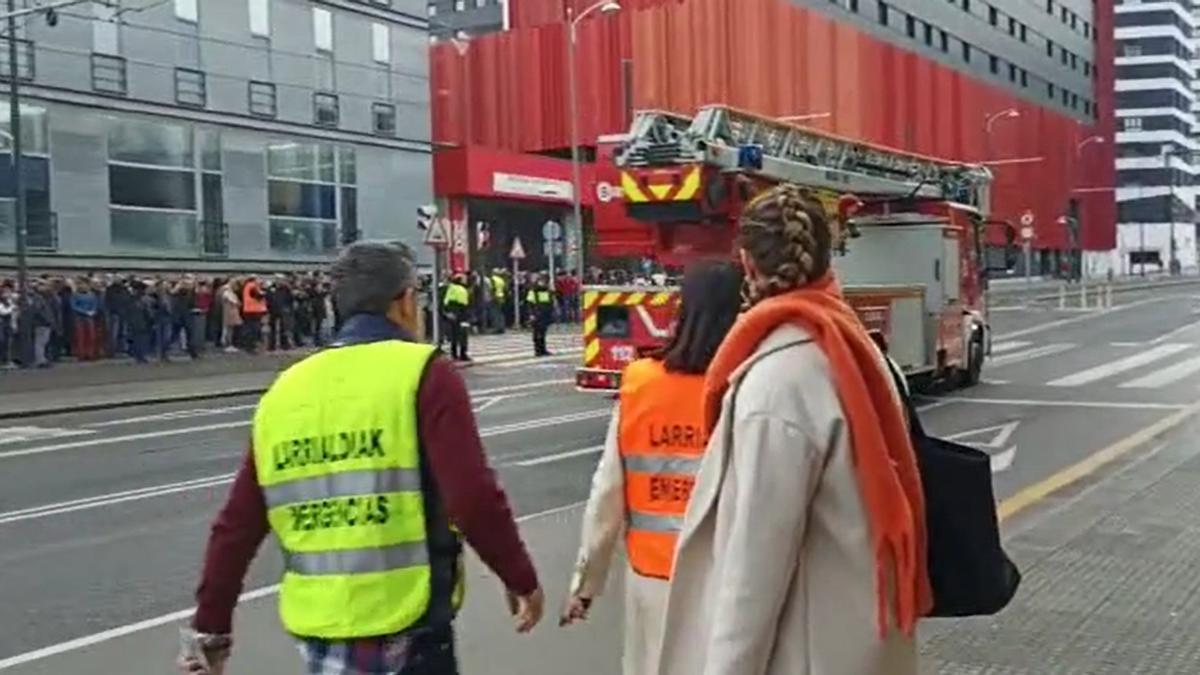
[803,548]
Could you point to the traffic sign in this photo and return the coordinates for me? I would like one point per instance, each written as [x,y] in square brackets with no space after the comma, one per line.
[518,251]
[551,231]
[435,234]
[1027,233]
[1027,218]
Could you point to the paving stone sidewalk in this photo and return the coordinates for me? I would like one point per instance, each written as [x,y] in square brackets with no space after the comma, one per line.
[1112,579]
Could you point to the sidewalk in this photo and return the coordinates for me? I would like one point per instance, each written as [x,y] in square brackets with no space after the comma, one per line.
[113,383]
[1111,577]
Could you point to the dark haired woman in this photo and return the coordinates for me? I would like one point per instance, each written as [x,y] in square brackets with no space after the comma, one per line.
[655,444]
[803,549]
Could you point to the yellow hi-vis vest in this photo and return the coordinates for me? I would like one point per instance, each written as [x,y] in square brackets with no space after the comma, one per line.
[338,460]
[536,297]
[457,295]
[499,288]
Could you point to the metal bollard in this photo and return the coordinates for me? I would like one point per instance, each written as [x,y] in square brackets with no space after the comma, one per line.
[1062,296]
[1083,299]
[1108,299]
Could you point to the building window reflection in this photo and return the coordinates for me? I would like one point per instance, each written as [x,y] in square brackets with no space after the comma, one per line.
[311,200]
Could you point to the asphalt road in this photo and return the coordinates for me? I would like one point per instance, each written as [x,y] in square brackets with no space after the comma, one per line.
[103,515]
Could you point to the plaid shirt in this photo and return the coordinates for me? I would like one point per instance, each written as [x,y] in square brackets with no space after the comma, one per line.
[371,656]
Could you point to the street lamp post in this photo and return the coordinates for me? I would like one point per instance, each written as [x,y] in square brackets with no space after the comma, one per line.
[604,7]
[989,121]
[25,323]
[1072,214]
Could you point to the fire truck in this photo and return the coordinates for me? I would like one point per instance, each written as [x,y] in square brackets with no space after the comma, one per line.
[910,239]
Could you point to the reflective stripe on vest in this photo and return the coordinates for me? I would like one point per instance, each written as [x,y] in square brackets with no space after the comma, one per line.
[337,457]
[661,439]
[538,297]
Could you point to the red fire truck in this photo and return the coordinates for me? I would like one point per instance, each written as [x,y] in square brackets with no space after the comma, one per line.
[911,237]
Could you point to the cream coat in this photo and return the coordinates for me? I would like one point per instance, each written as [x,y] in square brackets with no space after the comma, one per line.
[774,574]
[603,528]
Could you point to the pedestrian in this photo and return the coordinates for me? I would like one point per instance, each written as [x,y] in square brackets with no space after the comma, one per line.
[803,546]
[369,513]
[47,322]
[201,309]
[541,314]
[8,324]
[141,320]
[254,308]
[456,303]
[85,307]
[281,307]
[231,315]
[655,442]
[500,302]
[116,309]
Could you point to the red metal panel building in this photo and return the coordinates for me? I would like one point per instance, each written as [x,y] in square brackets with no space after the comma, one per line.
[508,91]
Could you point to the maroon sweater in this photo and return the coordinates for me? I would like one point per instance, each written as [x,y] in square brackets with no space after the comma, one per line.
[466,484]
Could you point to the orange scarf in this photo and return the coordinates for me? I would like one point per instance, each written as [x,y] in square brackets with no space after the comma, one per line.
[884,460]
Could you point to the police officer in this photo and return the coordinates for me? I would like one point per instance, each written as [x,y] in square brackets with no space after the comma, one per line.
[499,301]
[541,310]
[455,305]
[362,456]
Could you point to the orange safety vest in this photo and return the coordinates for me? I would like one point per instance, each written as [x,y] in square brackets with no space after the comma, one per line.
[250,305]
[662,439]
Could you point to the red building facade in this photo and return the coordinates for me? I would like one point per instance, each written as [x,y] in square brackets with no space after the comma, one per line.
[508,92]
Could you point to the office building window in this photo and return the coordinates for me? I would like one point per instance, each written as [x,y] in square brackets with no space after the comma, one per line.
[262,99]
[995,64]
[928,34]
[104,29]
[993,16]
[1024,78]
[1050,48]
[383,116]
[305,183]
[152,185]
[325,109]
[381,46]
[1024,33]
[1132,123]
[1050,90]
[945,40]
[108,74]
[966,52]
[853,6]
[910,26]
[260,18]
[322,29]
[883,14]
[187,10]
[1012,72]
[190,87]
[1012,26]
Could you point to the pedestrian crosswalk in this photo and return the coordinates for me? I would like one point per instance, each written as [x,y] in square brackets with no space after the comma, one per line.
[1062,365]
[516,345]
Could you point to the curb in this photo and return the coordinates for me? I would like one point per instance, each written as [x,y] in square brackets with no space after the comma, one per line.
[1043,294]
[184,398]
[131,403]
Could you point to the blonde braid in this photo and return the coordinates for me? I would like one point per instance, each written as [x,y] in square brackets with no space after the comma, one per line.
[786,234]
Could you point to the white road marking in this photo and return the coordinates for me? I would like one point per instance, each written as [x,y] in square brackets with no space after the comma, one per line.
[1166,337]
[183,614]
[24,434]
[1118,366]
[113,498]
[557,457]
[1059,403]
[1029,354]
[173,415]
[42,449]
[559,356]
[1008,346]
[1127,344]
[1076,319]
[1165,376]
[1002,458]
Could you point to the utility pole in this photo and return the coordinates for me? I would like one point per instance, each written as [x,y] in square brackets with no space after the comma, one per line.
[25,325]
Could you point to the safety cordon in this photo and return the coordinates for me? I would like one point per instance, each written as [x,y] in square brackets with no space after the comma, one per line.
[594,299]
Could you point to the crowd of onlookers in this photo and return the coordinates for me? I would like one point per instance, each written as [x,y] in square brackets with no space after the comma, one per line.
[94,316]
[89,317]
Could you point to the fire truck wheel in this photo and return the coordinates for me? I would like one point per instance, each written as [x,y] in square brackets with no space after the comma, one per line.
[971,375]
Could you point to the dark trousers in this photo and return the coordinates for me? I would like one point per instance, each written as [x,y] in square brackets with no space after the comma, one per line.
[6,339]
[432,653]
[541,323]
[458,338]
[251,332]
[139,344]
[281,332]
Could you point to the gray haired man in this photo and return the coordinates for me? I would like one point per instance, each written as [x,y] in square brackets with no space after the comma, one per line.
[371,529]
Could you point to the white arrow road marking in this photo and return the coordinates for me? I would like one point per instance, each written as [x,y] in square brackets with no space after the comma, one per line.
[997,437]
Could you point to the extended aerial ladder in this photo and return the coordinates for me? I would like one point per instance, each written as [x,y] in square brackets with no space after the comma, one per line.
[673,159]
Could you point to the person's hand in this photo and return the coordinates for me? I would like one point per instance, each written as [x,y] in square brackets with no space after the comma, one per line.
[575,611]
[526,610]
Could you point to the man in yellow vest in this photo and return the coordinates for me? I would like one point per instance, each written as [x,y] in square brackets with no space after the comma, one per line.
[499,301]
[455,305]
[366,464]
[541,312]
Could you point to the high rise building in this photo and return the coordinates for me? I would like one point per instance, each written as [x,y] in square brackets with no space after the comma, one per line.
[1156,104]
[1024,86]
[237,134]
